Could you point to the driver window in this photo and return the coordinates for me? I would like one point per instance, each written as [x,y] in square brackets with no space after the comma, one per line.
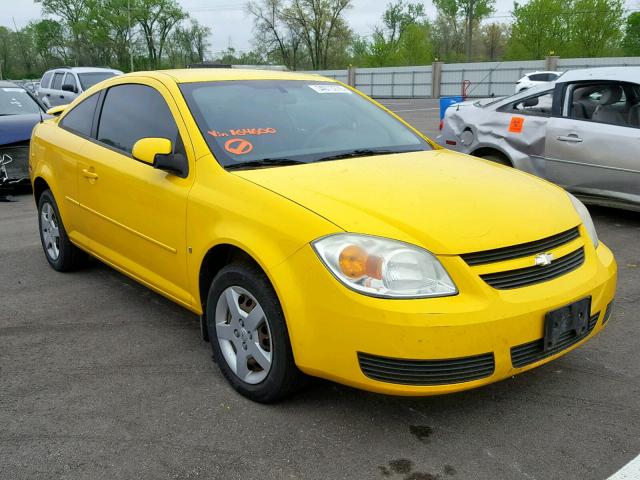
[69,79]
[536,105]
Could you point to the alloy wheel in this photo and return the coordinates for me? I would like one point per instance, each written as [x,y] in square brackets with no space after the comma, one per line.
[243,335]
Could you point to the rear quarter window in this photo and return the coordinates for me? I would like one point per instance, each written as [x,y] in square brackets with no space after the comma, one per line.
[46,80]
[80,119]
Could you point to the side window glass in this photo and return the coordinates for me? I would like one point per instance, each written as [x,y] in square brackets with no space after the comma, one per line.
[69,79]
[80,118]
[44,83]
[57,81]
[131,112]
[536,77]
[602,103]
[537,105]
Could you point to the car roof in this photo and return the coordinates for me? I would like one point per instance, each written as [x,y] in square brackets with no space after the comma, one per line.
[85,69]
[623,74]
[189,75]
[542,71]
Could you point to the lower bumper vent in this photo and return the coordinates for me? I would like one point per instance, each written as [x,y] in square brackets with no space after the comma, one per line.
[427,372]
[532,352]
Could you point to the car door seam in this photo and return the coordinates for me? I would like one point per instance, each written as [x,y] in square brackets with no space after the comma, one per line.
[130,230]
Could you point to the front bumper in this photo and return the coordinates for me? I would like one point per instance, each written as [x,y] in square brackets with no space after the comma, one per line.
[330,326]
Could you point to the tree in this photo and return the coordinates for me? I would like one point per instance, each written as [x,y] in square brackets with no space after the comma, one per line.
[404,38]
[281,37]
[595,26]
[447,32]
[539,27]
[157,18]
[631,42]
[319,22]
[73,14]
[473,12]
[494,39]
[468,12]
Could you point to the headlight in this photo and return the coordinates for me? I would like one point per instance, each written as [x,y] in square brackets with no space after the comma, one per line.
[383,268]
[586,219]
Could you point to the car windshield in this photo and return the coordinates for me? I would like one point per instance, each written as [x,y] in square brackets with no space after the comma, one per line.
[16,101]
[90,79]
[274,122]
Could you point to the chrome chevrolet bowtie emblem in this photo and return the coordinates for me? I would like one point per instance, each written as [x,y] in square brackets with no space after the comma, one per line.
[543,259]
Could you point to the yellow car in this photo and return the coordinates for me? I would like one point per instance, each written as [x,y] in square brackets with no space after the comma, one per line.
[317,233]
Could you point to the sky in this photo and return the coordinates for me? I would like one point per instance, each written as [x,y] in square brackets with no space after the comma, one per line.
[232,26]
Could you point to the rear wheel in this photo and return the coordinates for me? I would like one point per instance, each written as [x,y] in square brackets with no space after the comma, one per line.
[61,254]
[249,336]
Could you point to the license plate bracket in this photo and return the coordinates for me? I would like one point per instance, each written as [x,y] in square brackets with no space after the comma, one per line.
[572,318]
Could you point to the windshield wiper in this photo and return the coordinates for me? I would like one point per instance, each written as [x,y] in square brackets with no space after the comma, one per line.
[362,153]
[265,162]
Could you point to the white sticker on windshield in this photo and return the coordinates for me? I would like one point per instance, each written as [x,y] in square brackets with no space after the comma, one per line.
[12,89]
[330,89]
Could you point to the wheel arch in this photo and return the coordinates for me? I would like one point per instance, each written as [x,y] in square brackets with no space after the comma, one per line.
[40,185]
[482,151]
[217,257]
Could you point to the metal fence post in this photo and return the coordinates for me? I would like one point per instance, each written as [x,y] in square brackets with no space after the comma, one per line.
[393,84]
[351,76]
[413,83]
[436,79]
[551,62]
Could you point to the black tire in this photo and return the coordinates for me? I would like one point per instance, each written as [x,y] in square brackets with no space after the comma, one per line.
[69,256]
[497,159]
[283,377]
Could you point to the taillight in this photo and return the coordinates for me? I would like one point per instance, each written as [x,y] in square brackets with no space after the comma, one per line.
[441,124]
[451,142]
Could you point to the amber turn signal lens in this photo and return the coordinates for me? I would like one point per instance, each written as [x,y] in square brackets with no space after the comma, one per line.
[356,263]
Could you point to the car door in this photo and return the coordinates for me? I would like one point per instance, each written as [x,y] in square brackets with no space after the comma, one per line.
[75,132]
[67,96]
[592,148]
[519,127]
[135,214]
[54,93]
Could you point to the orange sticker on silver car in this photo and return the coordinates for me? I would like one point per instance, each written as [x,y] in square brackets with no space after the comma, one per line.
[238,146]
[516,124]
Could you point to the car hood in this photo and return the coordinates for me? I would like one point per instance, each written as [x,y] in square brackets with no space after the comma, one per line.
[444,201]
[17,128]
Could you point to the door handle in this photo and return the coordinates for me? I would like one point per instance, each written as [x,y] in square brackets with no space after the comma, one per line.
[61,96]
[89,174]
[570,138]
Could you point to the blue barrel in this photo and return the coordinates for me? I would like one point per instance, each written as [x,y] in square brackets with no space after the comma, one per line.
[446,102]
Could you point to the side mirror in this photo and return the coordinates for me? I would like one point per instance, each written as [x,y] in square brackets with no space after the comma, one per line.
[146,149]
[67,87]
[158,152]
[530,102]
[55,111]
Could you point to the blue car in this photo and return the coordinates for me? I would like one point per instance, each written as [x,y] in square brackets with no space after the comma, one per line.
[20,111]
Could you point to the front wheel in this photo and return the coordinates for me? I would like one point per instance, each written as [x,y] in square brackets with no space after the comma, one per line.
[61,254]
[249,336]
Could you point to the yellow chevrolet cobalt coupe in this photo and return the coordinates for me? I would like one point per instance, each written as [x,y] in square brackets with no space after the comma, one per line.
[317,233]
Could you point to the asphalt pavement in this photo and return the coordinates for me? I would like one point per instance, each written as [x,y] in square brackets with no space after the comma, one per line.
[102,379]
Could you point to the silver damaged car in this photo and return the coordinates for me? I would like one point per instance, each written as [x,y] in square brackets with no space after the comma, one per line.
[581,132]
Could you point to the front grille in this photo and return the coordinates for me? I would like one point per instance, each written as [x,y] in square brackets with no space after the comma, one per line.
[426,372]
[522,277]
[607,313]
[19,168]
[531,352]
[521,250]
